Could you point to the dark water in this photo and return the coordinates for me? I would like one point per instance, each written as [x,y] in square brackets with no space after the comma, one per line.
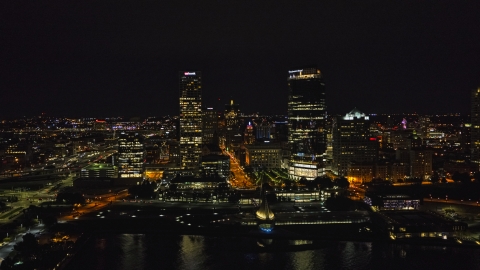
[151,251]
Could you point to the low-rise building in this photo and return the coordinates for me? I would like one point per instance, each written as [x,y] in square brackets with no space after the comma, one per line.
[417,224]
[392,202]
[213,165]
[263,154]
[96,170]
[191,182]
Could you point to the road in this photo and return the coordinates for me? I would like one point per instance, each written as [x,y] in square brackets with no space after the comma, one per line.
[241,180]
[31,197]
[8,247]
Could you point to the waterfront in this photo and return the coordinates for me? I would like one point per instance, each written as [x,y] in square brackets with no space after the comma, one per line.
[161,251]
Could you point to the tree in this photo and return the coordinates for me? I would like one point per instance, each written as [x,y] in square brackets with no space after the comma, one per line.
[145,190]
[303,181]
[324,182]
[435,178]
[339,204]
[288,184]
[7,263]
[70,198]
[342,182]
[50,221]
[28,246]
[476,176]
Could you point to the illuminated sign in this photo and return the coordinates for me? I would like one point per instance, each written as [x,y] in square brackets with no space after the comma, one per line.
[189,73]
[295,71]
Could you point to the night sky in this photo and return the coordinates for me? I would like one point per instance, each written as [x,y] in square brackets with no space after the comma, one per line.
[122,58]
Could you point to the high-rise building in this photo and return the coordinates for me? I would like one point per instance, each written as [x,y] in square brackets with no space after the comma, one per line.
[421,163]
[190,120]
[352,142]
[475,126]
[306,123]
[130,155]
[264,130]
[209,125]
[231,131]
[248,137]
[232,112]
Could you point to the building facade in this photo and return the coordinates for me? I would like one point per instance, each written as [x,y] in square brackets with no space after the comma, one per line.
[130,155]
[306,123]
[216,165]
[263,154]
[231,127]
[475,126]
[352,142]
[190,120]
[97,170]
[209,125]
[421,163]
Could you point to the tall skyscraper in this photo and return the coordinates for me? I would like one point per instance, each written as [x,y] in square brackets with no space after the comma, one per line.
[475,127]
[306,123]
[190,120]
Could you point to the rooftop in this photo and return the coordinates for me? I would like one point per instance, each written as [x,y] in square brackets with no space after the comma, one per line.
[99,166]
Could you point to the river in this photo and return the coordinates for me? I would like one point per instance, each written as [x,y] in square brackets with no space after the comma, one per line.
[159,251]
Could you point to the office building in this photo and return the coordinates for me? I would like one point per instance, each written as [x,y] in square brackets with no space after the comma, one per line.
[248,137]
[263,154]
[130,155]
[190,120]
[263,130]
[352,142]
[97,170]
[209,125]
[231,128]
[421,163]
[475,126]
[306,123]
[216,166]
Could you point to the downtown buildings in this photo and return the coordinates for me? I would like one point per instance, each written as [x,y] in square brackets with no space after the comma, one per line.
[306,123]
[475,126]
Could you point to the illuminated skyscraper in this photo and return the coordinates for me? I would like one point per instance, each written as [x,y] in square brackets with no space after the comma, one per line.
[306,123]
[475,128]
[190,120]
[352,142]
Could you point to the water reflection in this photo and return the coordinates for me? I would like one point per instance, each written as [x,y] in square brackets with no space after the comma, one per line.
[191,252]
[133,251]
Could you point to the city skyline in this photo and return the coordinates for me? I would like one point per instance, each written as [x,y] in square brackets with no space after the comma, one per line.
[93,59]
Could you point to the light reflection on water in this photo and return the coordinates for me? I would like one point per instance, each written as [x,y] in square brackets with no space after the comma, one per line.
[137,251]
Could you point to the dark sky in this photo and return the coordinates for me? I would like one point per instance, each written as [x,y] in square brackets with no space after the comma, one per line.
[121,58]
